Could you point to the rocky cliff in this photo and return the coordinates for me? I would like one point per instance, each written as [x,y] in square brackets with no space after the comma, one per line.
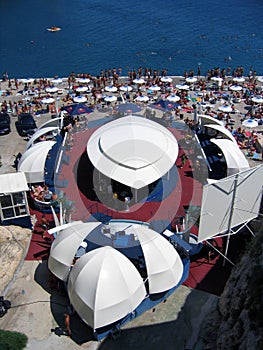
[14,241]
[237,322]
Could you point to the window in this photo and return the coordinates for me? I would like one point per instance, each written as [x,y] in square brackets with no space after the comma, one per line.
[13,205]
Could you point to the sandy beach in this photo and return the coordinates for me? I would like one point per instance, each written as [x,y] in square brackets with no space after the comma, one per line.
[36,311]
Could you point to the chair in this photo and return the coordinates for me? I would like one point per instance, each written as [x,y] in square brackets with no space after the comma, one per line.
[255,156]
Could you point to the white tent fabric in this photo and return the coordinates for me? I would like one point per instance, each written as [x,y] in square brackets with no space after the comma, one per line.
[104,286]
[207,119]
[132,150]
[221,129]
[235,158]
[32,162]
[218,197]
[56,122]
[13,182]
[39,133]
[163,263]
[66,245]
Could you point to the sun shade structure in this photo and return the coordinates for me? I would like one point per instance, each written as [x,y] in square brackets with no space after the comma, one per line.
[104,286]
[55,122]
[133,151]
[32,162]
[12,183]
[206,119]
[242,192]
[39,133]
[222,130]
[164,265]
[235,159]
[77,109]
[66,245]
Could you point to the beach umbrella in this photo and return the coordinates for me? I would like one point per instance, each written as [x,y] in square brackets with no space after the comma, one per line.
[126,88]
[173,98]
[82,89]
[27,80]
[239,79]
[225,108]
[142,98]
[182,86]
[47,100]
[110,98]
[127,108]
[51,89]
[250,123]
[111,88]
[57,81]
[76,109]
[166,79]
[164,105]
[257,99]
[79,99]
[217,79]
[191,80]
[83,80]
[139,81]
[236,88]
[155,88]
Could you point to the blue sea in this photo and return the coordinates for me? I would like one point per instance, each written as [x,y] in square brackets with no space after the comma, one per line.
[178,35]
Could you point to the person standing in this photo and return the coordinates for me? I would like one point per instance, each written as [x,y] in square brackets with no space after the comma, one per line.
[67,323]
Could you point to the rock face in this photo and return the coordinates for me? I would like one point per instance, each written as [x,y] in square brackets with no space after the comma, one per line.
[237,323]
[13,243]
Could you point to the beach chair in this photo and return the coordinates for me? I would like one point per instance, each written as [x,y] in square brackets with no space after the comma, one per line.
[255,156]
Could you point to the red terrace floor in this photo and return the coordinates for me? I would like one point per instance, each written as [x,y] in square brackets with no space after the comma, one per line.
[207,275]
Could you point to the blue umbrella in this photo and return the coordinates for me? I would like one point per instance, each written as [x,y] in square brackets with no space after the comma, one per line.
[78,108]
[164,105]
[127,108]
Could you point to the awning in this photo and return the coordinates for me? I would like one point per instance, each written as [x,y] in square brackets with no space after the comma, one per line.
[221,129]
[12,183]
[133,150]
[39,133]
[32,162]
[55,122]
[235,158]
[206,119]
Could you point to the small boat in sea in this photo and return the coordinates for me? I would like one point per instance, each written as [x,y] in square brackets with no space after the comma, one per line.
[54,29]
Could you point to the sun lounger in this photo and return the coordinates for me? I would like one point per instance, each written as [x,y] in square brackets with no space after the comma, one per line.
[256,156]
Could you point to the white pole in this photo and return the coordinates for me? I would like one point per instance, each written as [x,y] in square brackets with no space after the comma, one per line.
[231,215]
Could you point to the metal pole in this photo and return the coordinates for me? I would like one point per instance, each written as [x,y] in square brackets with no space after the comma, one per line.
[231,215]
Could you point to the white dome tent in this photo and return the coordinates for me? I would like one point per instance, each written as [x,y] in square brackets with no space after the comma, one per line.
[133,151]
[65,246]
[104,286]
[163,263]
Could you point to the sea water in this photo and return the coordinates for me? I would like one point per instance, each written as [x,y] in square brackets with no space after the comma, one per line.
[178,35]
